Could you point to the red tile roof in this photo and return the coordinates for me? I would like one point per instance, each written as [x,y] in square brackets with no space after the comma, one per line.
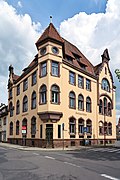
[50,32]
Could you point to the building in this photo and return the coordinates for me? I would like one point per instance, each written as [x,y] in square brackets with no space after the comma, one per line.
[118,130]
[3,122]
[61,99]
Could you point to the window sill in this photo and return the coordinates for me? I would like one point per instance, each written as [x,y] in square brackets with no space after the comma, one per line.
[42,103]
[43,76]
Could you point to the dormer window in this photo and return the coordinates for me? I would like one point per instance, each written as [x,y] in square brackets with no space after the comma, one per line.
[69,59]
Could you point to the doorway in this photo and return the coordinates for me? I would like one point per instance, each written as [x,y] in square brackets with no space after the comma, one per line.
[49,135]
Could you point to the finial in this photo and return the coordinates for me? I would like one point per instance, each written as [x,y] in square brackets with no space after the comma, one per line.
[50,19]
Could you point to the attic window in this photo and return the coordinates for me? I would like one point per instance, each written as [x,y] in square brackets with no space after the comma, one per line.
[83,66]
[69,59]
[77,57]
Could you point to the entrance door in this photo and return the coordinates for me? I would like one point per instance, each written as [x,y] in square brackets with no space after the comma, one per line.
[49,135]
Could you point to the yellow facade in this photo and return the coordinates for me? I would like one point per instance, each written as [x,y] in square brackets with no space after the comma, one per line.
[51,114]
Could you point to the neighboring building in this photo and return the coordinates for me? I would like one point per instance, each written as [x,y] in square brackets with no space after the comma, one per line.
[118,130]
[61,95]
[3,122]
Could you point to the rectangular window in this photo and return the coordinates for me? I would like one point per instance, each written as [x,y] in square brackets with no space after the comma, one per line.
[4,121]
[72,78]
[10,93]
[41,131]
[43,69]
[80,81]
[55,68]
[18,89]
[88,84]
[25,84]
[34,78]
[59,131]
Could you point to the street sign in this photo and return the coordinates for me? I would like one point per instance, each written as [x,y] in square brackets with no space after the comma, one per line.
[23,131]
[23,127]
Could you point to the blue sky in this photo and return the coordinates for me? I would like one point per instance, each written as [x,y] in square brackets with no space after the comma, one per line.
[91,25]
[40,10]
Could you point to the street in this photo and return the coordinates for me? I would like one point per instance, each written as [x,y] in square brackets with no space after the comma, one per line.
[83,164]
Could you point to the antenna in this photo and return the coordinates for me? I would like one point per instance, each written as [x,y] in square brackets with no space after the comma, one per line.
[50,19]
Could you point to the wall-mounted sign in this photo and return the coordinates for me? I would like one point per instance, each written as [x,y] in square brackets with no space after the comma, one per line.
[23,131]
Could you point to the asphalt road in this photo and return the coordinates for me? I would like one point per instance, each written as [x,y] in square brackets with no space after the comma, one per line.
[84,164]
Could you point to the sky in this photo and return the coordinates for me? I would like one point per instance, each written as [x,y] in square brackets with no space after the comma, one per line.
[91,25]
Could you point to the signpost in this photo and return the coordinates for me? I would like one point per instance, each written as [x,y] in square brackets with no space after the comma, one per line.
[24,131]
[63,133]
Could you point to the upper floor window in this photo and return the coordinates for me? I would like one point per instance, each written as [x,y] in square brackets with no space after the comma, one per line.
[55,68]
[80,102]
[25,84]
[18,107]
[100,107]
[109,109]
[18,89]
[33,100]
[55,94]
[43,96]
[80,81]
[10,93]
[11,109]
[43,69]
[88,104]
[72,100]
[4,121]
[34,78]
[105,85]
[25,104]
[88,84]
[72,78]
[105,105]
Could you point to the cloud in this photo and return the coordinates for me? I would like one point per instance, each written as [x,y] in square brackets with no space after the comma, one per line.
[19,4]
[17,37]
[95,32]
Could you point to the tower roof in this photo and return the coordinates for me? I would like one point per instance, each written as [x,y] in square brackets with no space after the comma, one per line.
[50,33]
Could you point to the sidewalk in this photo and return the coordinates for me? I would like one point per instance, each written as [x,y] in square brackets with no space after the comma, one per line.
[27,148]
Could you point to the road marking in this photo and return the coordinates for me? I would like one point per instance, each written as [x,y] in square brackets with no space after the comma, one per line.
[49,157]
[72,164]
[109,177]
[114,150]
[36,154]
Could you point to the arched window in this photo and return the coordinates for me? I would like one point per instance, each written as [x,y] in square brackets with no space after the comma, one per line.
[33,127]
[72,125]
[88,104]
[43,96]
[25,104]
[101,130]
[72,100]
[24,124]
[33,100]
[89,126]
[81,126]
[17,127]
[105,128]
[18,107]
[105,85]
[109,128]
[100,107]
[11,109]
[80,102]
[11,128]
[109,109]
[105,106]
[55,93]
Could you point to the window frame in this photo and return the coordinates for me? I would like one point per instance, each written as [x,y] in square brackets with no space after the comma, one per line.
[72,78]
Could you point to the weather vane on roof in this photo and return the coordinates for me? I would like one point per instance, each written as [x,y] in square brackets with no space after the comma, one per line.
[51,19]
